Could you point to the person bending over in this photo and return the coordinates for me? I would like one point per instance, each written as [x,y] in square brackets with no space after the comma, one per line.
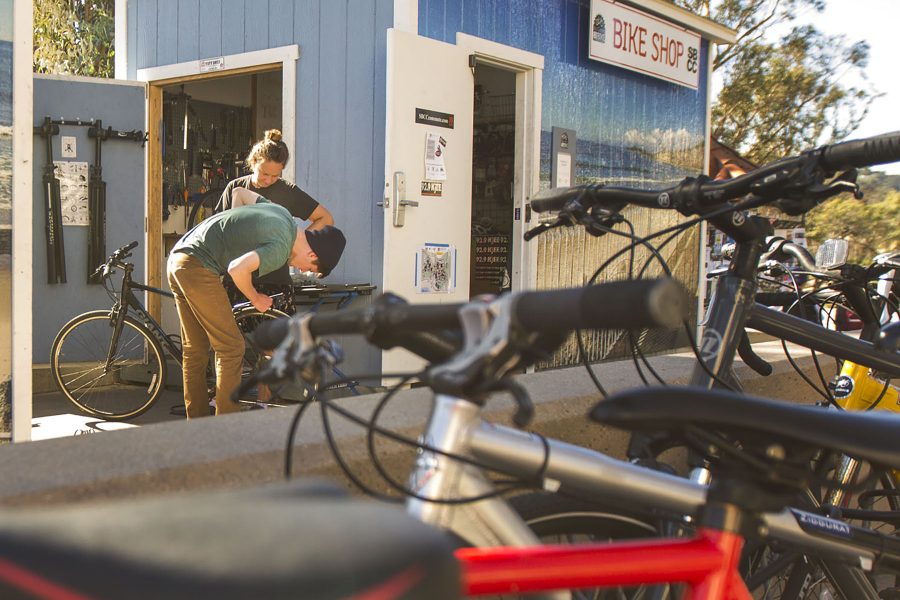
[256,236]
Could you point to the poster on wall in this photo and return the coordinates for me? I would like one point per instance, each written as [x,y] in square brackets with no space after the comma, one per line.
[6,141]
[435,269]
[435,147]
[73,191]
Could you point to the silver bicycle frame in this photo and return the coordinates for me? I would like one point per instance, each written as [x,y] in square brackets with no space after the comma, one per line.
[455,427]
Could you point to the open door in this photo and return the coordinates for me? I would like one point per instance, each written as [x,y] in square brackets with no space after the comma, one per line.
[428,175]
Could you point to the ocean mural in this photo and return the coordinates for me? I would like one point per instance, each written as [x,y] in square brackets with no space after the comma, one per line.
[6,91]
[632,129]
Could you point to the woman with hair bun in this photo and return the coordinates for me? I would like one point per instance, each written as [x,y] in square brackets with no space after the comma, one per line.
[266,161]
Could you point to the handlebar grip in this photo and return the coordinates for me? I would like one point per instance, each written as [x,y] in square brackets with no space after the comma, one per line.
[397,319]
[613,305]
[555,198]
[867,152]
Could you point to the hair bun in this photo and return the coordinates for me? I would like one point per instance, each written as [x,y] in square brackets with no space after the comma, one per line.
[273,135]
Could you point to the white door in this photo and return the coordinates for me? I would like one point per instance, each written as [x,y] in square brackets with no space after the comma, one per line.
[428,162]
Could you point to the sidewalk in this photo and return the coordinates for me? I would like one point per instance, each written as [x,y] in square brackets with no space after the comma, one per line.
[245,449]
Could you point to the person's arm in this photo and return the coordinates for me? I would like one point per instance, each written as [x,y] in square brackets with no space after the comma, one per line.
[319,218]
[243,197]
[241,270]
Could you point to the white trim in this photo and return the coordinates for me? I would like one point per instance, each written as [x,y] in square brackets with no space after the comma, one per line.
[282,54]
[22,256]
[91,80]
[406,15]
[529,69]
[286,55]
[500,54]
[121,39]
[707,28]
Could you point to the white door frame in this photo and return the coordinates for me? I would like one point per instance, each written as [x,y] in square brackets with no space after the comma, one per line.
[529,69]
[287,56]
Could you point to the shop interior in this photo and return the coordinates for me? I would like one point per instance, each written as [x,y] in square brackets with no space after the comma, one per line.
[493,168]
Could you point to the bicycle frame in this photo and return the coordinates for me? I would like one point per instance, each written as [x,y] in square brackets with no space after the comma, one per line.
[455,427]
[129,301]
[706,563]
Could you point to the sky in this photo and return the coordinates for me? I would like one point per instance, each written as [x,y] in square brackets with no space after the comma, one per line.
[876,22]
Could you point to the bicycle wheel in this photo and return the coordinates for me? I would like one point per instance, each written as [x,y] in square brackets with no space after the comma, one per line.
[560,519]
[248,319]
[124,389]
[204,207]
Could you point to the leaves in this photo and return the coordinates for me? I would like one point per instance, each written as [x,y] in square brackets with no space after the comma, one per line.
[779,98]
[74,37]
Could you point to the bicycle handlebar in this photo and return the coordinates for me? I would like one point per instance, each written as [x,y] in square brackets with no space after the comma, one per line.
[774,181]
[613,305]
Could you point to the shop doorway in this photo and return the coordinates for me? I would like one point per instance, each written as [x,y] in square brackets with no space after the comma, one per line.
[207,129]
[493,175]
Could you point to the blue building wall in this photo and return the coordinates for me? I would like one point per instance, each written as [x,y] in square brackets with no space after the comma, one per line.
[339,152]
[120,106]
[631,128]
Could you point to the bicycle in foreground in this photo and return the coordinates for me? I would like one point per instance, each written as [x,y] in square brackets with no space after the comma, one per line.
[843,551]
[112,364]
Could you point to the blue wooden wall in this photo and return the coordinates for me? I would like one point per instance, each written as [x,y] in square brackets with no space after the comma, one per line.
[340,114]
[120,106]
[624,120]
[339,156]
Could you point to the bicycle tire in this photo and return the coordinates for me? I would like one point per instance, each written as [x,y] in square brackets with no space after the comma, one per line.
[559,519]
[207,203]
[133,382]
[247,320]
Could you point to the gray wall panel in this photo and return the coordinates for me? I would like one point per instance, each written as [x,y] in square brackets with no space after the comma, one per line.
[281,22]
[210,34]
[189,29]
[120,106]
[145,40]
[167,32]
[306,32]
[256,25]
[232,26]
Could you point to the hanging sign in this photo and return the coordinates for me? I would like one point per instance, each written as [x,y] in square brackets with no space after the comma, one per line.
[212,64]
[435,269]
[629,38]
[432,117]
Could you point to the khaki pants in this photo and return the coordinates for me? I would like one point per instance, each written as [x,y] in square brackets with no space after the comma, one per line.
[206,320]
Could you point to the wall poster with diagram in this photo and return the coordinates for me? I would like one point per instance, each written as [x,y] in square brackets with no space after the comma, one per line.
[73,191]
[436,269]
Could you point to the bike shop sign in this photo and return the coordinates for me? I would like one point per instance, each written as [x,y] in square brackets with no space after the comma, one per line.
[629,38]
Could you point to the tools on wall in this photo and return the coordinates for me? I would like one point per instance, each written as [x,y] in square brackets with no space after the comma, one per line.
[56,263]
[204,147]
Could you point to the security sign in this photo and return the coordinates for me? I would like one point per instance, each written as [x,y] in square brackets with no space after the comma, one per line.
[629,38]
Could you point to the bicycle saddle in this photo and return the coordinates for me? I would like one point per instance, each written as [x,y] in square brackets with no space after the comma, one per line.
[868,436]
[293,540]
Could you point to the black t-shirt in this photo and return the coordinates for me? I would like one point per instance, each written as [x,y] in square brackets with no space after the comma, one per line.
[299,204]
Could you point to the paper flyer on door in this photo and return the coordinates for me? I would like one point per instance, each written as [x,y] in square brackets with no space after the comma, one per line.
[435,147]
[435,269]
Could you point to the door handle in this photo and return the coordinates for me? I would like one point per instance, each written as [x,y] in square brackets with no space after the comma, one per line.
[399,199]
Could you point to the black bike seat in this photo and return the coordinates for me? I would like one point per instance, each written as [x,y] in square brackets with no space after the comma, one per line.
[292,540]
[871,436]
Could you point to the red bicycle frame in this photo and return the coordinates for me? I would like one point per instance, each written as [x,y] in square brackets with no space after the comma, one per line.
[707,564]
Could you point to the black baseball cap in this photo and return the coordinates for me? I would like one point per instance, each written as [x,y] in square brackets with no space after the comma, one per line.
[328,244]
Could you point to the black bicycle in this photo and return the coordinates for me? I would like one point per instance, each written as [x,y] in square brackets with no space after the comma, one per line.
[112,363]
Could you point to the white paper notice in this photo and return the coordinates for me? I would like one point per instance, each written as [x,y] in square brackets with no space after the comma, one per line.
[563,169]
[435,146]
[73,191]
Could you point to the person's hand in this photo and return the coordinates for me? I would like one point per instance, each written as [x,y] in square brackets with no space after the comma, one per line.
[262,302]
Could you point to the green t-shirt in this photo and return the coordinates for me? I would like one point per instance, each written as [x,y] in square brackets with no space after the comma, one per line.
[264,227]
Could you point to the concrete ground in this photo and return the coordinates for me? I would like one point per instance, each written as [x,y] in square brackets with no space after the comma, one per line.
[162,452]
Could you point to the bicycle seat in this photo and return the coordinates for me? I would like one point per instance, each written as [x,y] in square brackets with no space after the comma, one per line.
[868,436]
[292,540]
